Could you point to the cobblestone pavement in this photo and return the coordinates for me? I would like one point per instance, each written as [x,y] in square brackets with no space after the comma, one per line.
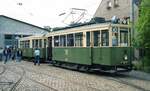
[24,76]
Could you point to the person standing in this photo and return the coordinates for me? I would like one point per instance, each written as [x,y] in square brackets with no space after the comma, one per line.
[37,56]
[19,55]
[14,53]
[1,53]
[9,53]
[5,52]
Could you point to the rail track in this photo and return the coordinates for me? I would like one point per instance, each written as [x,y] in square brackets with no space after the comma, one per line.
[118,78]
[108,76]
[23,76]
[73,82]
[4,69]
[19,80]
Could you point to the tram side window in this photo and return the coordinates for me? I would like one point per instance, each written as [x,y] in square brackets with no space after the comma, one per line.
[96,38]
[21,44]
[36,43]
[87,38]
[33,43]
[70,40]
[105,38]
[78,39]
[124,37]
[56,40]
[62,40]
[44,43]
[40,43]
[27,44]
[114,36]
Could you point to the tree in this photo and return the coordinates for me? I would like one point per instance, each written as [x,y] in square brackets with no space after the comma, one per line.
[143,26]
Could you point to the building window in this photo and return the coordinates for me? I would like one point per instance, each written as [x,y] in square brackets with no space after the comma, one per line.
[109,5]
[8,36]
[116,3]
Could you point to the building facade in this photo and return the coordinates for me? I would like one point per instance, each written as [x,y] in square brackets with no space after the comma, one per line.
[119,8]
[12,29]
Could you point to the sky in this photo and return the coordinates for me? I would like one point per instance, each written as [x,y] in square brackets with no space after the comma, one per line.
[48,12]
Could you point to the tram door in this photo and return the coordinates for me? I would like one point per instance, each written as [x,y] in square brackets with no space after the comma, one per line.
[49,52]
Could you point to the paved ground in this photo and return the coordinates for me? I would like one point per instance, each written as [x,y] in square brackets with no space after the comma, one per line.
[24,76]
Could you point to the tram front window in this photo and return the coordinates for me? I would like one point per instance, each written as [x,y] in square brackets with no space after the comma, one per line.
[124,37]
[114,36]
[105,38]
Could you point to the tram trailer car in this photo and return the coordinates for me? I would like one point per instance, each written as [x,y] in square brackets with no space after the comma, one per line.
[28,44]
[104,46]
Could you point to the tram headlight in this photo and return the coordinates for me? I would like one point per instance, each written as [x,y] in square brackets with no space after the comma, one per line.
[125,57]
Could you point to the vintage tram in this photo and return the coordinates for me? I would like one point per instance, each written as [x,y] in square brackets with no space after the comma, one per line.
[103,46]
[28,44]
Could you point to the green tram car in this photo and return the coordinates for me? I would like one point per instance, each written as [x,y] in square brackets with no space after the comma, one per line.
[102,46]
[28,44]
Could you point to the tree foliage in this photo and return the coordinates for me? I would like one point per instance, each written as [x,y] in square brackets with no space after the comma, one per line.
[143,25]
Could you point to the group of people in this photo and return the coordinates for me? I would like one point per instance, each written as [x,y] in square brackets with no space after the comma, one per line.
[10,54]
[16,54]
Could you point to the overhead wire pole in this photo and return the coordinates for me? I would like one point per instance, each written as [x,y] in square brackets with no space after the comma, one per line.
[132,33]
[133,22]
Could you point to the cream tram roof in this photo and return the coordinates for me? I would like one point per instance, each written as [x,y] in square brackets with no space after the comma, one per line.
[93,27]
[32,37]
[63,31]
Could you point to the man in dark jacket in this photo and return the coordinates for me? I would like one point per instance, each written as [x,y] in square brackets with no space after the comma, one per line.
[5,53]
[19,55]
